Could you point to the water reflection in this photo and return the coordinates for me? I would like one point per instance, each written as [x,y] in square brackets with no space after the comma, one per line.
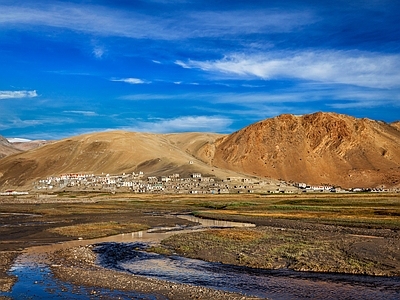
[124,252]
[36,282]
[154,235]
[266,284]
[215,223]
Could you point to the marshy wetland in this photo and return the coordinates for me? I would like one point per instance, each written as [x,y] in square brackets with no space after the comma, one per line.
[347,241]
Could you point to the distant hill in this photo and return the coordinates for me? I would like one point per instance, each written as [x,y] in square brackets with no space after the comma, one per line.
[320,148]
[316,148]
[29,145]
[6,148]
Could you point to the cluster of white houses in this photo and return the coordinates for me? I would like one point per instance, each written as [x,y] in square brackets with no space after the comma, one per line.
[174,184]
[138,183]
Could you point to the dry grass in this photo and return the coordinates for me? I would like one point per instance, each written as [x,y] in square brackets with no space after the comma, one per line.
[272,248]
[301,248]
[236,234]
[94,230]
[355,209]
[378,210]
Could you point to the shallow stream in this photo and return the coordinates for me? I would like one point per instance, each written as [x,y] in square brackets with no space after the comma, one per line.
[35,281]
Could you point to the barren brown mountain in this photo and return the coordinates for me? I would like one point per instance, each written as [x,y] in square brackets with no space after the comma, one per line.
[320,148]
[112,152]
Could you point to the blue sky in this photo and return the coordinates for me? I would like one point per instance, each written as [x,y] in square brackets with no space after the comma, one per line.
[71,67]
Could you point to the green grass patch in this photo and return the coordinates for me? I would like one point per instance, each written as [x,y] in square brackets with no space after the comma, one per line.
[303,208]
[159,250]
[225,205]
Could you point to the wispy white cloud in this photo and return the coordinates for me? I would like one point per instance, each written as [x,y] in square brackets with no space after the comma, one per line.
[267,97]
[82,112]
[170,1]
[341,97]
[369,101]
[84,18]
[252,86]
[336,96]
[131,80]
[358,68]
[254,111]
[234,22]
[183,124]
[16,122]
[107,21]
[145,97]
[71,73]
[354,104]
[17,94]
[189,65]
[98,52]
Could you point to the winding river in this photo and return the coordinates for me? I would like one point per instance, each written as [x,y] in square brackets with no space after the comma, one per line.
[35,281]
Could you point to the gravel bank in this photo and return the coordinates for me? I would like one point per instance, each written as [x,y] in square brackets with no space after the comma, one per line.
[78,266]
[6,260]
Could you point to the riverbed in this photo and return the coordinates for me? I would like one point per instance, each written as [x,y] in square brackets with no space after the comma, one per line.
[126,254]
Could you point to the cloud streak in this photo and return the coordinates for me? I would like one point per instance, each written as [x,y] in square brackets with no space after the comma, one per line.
[82,112]
[131,80]
[24,123]
[17,94]
[184,124]
[84,18]
[98,52]
[108,21]
[213,23]
[339,67]
[160,97]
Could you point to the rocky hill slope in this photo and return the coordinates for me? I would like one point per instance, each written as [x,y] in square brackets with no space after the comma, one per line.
[317,148]
[396,124]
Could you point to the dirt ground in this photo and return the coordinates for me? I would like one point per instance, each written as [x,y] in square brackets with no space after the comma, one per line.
[20,230]
[275,243]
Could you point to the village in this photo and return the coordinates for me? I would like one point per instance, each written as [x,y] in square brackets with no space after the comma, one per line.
[174,184]
[139,183]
